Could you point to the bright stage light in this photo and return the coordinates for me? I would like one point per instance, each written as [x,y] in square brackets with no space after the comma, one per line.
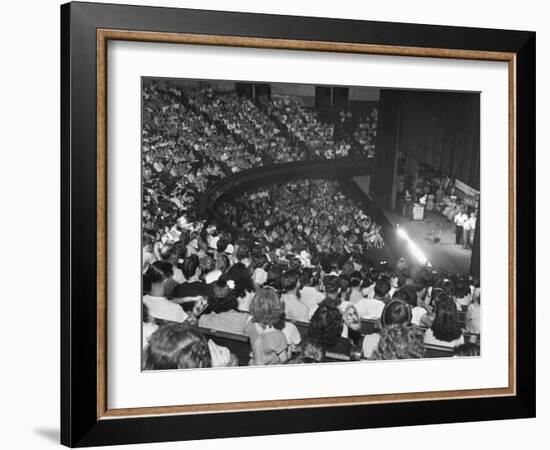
[417,253]
[402,233]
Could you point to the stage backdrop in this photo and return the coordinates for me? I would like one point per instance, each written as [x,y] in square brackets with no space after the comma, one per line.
[440,129]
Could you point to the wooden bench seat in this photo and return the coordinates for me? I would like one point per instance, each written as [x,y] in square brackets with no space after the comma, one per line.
[237,344]
[438,351]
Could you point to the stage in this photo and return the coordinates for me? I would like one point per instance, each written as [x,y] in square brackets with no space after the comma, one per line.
[446,254]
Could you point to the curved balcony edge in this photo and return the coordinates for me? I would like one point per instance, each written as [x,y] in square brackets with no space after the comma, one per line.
[279,173]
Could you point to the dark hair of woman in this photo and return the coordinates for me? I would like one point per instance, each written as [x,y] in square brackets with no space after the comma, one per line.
[266,308]
[344,284]
[461,288]
[347,270]
[407,294]
[381,288]
[325,263]
[308,277]
[221,245]
[331,283]
[221,298]
[240,274]
[445,326]
[258,262]
[224,262]
[175,346]
[189,266]
[355,279]
[396,312]
[315,257]
[289,280]
[159,271]
[373,274]
[448,287]
[146,284]
[326,324]
[274,277]
[144,313]
[400,342]
[467,349]
[243,252]
[295,263]
[180,249]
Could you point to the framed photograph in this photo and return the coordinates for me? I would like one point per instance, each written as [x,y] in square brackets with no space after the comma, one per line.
[278,224]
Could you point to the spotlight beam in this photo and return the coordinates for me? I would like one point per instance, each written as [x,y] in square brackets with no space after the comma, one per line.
[413,248]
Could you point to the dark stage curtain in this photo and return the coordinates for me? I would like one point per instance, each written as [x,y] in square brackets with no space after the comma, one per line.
[245,90]
[385,161]
[440,129]
[341,98]
[322,97]
[262,90]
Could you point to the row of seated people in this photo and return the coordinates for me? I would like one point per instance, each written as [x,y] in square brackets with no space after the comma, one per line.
[268,312]
[306,127]
[181,156]
[304,213]
[366,132]
[183,153]
[360,129]
[241,117]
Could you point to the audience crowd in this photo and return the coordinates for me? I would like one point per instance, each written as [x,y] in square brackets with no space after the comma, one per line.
[296,306]
[307,214]
[292,275]
[304,126]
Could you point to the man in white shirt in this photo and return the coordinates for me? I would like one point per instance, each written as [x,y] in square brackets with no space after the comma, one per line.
[161,308]
[372,308]
[460,219]
[311,296]
[469,230]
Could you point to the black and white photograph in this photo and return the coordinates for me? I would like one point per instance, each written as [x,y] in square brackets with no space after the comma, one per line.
[267,225]
[299,223]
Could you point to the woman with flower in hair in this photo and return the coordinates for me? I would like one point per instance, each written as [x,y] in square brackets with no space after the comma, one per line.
[238,276]
[269,344]
[222,310]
